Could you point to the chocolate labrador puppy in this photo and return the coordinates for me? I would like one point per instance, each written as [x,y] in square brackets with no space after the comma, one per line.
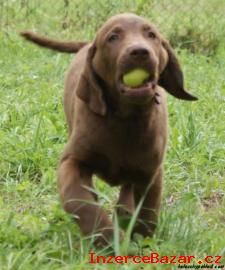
[116,131]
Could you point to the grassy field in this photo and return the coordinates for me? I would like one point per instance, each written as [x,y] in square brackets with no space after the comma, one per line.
[34,231]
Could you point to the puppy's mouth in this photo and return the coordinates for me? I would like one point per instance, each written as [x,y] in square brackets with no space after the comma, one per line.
[146,87]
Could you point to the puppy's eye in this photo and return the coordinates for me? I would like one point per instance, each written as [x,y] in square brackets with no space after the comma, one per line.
[151,35]
[113,37]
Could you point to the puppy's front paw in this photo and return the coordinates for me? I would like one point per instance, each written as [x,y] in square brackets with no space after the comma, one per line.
[144,228]
[106,236]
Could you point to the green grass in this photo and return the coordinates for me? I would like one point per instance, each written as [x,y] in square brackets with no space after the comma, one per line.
[34,232]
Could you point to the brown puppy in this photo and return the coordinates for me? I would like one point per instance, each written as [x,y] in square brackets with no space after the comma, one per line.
[115,131]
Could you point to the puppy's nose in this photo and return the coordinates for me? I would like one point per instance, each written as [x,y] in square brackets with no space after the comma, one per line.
[139,52]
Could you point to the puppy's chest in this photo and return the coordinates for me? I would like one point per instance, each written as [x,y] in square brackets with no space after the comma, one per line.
[125,152]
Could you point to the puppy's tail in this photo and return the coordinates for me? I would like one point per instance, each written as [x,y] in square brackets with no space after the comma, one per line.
[61,46]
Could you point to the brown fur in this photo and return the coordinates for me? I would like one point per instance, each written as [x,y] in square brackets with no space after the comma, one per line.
[117,133]
[66,46]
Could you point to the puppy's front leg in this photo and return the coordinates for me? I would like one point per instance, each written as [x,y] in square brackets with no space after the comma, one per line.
[75,183]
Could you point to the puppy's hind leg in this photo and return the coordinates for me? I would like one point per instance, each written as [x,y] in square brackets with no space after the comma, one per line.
[150,207]
[125,205]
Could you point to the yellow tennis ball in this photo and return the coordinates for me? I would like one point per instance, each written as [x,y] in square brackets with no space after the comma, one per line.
[135,77]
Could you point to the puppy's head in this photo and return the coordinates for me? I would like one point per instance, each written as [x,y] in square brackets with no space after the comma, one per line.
[127,42]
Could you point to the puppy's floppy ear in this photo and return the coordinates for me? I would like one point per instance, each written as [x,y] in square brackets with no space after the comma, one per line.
[171,78]
[89,89]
